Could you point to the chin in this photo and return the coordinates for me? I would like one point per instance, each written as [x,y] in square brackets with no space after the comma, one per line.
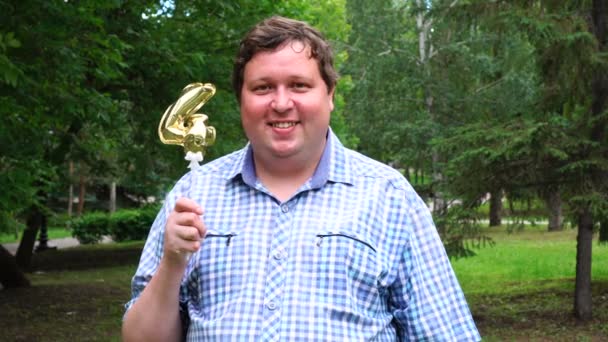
[282,154]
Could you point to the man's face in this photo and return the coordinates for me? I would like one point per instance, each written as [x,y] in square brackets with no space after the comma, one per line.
[285,104]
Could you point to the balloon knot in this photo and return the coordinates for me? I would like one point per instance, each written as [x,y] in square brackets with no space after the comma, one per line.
[194,158]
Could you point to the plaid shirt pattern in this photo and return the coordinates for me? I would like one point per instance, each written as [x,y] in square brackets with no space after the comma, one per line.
[352,256]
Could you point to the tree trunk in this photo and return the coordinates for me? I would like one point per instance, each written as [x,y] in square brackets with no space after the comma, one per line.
[43,237]
[603,238]
[599,105]
[81,194]
[10,274]
[511,206]
[582,295]
[584,243]
[553,200]
[112,197]
[425,53]
[71,190]
[496,208]
[26,246]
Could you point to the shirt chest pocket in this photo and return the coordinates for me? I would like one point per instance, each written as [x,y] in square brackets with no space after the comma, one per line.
[349,270]
[214,278]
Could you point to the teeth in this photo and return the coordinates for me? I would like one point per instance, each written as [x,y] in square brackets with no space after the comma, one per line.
[283,124]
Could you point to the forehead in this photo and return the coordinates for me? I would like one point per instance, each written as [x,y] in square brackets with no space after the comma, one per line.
[291,56]
[295,46]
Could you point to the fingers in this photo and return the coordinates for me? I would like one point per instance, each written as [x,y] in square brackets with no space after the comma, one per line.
[184,228]
[188,214]
[188,233]
[184,204]
[188,219]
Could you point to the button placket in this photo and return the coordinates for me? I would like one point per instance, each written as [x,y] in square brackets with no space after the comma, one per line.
[275,281]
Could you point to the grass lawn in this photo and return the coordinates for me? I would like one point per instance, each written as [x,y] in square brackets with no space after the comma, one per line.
[53,233]
[522,288]
[77,294]
[519,290]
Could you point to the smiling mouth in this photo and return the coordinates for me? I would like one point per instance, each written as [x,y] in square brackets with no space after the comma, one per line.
[283,124]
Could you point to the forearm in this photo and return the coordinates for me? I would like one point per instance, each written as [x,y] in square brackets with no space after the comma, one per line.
[155,315]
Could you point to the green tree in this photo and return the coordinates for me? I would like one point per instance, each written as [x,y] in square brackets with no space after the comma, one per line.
[559,140]
[86,82]
[494,95]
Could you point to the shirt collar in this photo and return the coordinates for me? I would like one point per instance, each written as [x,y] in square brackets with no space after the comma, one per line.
[334,165]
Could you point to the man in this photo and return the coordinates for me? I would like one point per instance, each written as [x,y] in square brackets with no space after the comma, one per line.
[301,238]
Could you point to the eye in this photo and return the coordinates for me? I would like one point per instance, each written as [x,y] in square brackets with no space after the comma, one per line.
[299,86]
[261,88]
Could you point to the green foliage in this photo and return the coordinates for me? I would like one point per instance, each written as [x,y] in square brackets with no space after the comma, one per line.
[8,225]
[122,225]
[491,102]
[481,102]
[87,82]
[9,72]
[90,228]
[61,108]
[380,65]
[460,231]
[132,224]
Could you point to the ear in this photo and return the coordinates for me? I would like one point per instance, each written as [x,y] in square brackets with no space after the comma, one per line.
[331,98]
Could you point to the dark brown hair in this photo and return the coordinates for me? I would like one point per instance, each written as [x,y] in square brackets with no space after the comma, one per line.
[273,33]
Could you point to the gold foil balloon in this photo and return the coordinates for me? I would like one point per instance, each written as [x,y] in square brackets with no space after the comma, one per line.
[182,125]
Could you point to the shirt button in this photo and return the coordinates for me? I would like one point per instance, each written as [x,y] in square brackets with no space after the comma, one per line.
[278,254]
[271,305]
[284,208]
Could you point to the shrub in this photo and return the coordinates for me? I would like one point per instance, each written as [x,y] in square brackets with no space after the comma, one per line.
[122,225]
[90,228]
[132,224]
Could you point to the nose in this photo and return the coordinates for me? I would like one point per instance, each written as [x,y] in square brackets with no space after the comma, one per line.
[281,101]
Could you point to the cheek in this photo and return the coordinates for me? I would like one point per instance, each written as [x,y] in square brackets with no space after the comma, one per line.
[253,106]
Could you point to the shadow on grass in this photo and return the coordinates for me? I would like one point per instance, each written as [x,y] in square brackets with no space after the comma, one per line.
[77,294]
[77,312]
[87,257]
[544,315]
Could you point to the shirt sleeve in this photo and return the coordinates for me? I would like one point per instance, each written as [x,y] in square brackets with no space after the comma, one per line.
[151,256]
[428,303]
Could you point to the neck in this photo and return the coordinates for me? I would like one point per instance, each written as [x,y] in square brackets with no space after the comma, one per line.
[283,177]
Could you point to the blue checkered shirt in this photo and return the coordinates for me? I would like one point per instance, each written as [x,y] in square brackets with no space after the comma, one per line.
[352,256]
